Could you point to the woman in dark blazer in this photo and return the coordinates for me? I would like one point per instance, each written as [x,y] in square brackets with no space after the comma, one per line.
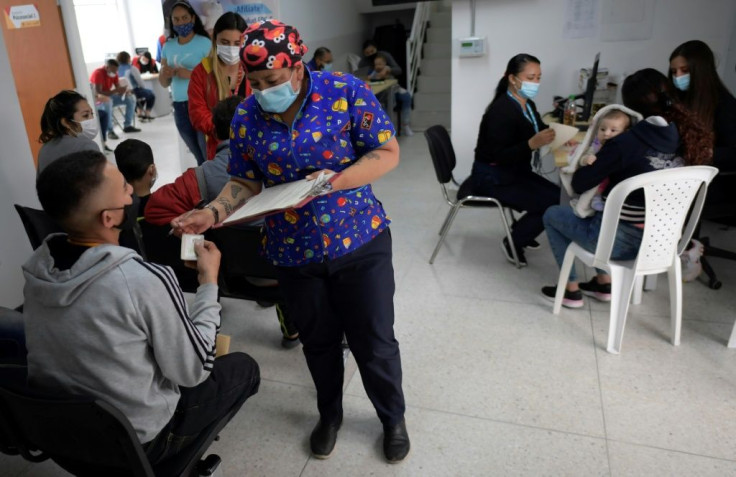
[509,139]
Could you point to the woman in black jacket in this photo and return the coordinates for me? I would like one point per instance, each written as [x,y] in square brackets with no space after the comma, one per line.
[511,133]
[670,136]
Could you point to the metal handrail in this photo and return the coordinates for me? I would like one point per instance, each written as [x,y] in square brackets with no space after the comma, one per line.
[414,44]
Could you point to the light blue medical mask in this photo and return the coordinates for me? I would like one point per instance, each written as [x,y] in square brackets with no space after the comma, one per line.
[528,89]
[277,99]
[682,82]
[327,67]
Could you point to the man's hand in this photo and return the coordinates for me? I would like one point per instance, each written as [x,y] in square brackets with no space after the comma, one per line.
[208,262]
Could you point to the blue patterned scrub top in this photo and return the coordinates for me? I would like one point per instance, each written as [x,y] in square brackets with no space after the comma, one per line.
[340,120]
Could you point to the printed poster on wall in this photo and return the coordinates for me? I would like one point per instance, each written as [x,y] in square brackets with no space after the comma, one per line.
[210,10]
[22,16]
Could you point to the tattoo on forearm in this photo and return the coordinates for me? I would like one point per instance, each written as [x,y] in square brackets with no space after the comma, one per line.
[235,190]
[226,204]
[372,155]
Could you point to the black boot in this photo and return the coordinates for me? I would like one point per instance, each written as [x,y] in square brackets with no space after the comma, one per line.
[323,438]
[396,443]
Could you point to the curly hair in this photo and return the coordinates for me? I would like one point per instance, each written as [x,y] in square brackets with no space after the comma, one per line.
[650,93]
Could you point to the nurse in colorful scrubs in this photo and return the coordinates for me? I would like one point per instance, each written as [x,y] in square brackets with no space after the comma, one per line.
[333,256]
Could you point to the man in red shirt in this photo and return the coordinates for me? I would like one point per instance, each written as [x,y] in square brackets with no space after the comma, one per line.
[109,93]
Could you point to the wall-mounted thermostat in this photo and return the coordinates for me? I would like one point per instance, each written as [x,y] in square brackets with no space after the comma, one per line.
[471,46]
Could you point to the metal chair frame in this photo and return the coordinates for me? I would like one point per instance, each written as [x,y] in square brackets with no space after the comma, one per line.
[456,203]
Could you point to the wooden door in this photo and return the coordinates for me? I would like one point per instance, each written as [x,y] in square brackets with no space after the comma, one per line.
[39,58]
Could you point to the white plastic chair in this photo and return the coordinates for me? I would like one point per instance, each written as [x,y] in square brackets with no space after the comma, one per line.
[669,195]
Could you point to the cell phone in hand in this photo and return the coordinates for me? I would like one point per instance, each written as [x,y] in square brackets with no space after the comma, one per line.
[187,246]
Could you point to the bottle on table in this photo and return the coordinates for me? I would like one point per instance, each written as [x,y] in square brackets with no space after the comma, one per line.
[570,114]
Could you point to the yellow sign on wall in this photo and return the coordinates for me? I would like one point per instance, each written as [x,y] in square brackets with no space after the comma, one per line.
[22,16]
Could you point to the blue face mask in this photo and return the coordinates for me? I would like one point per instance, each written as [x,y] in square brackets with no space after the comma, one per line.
[528,89]
[185,29]
[682,82]
[276,99]
[327,67]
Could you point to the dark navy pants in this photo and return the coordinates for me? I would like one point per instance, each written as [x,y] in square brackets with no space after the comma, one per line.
[351,295]
[522,190]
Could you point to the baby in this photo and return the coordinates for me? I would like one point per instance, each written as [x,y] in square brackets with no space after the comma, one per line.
[613,123]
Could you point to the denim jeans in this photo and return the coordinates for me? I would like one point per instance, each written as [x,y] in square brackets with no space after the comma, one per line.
[147,95]
[191,137]
[563,227]
[117,100]
[404,101]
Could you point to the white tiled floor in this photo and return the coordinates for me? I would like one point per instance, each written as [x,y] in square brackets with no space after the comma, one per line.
[495,384]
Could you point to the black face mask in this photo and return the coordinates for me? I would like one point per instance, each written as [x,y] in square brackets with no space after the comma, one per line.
[372,57]
[130,215]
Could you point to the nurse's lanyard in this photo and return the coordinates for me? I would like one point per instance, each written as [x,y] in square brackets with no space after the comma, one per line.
[529,115]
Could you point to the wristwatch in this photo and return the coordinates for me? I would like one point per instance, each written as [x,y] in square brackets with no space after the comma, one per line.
[215,212]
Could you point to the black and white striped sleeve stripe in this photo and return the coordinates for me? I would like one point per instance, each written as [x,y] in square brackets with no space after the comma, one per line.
[205,353]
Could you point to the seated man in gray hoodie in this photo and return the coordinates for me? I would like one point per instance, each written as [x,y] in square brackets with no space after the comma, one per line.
[100,321]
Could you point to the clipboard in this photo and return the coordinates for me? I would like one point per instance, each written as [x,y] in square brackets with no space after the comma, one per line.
[291,195]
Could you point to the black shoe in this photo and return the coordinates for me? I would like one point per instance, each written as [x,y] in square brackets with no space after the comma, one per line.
[596,290]
[510,256]
[112,135]
[396,443]
[323,438]
[107,149]
[131,129]
[569,300]
[533,245]
[289,343]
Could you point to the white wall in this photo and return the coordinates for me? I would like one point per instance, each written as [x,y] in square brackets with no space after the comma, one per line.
[535,27]
[17,186]
[334,24]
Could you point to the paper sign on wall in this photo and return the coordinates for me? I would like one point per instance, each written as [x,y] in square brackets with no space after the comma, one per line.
[22,16]
[251,10]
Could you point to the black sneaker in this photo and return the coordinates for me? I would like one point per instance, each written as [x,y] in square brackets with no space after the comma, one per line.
[533,245]
[112,135]
[570,300]
[510,256]
[596,290]
[131,129]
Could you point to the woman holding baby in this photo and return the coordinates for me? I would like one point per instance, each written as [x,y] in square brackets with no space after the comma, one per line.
[669,136]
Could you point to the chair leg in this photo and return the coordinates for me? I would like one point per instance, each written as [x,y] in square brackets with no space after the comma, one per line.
[638,289]
[450,218]
[674,274]
[507,229]
[622,285]
[732,339]
[567,264]
[444,224]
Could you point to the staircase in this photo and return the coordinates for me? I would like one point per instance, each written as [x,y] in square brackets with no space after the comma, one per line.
[432,97]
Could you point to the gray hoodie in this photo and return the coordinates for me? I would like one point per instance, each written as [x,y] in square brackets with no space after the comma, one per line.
[117,328]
